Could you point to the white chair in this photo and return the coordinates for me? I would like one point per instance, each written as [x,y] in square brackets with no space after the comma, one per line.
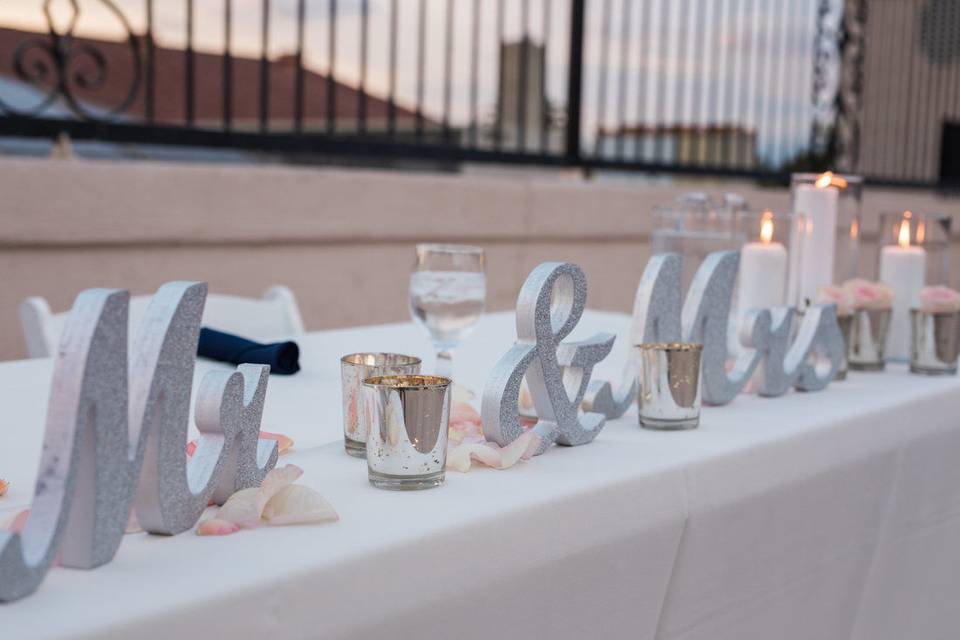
[271,317]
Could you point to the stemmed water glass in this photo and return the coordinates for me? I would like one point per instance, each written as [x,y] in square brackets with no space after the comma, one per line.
[448,290]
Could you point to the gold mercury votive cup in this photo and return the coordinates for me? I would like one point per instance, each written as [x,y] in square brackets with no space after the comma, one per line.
[407,443]
[935,342]
[669,396]
[354,369]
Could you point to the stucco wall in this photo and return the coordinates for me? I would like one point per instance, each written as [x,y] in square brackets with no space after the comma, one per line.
[341,239]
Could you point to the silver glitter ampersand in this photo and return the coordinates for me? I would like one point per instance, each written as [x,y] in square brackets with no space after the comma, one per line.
[106,450]
[547,363]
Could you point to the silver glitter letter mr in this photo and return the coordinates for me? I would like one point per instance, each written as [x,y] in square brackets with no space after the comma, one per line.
[106,449]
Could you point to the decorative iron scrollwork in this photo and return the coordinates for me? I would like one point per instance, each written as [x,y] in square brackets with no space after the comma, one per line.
[850,91]
[826,63]
[66,69]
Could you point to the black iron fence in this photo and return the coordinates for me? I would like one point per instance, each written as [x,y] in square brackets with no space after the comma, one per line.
[724,87]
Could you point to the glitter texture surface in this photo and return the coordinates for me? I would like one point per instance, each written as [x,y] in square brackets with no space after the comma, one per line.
[541,356]
[704,320]
[785,364]
[93,466]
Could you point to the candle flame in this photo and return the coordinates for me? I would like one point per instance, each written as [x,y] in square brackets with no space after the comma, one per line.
[766,227]
[854,228]
[904,238]
[829,179]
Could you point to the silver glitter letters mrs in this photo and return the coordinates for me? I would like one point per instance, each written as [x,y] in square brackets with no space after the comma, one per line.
[551,367]
[94,468]
[658,317]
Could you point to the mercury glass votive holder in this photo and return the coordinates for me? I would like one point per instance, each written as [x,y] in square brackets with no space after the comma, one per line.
[868,339]
[846,326]
[354,369]
[669,396]
[407,443]
[935,342]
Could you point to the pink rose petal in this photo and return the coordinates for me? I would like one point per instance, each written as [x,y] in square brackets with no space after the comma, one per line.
[216,527]
[465,422]
[19,522]
[298,504]
[517,450]
[245,507]
[133,525]
[284,442]
[460,456]
[468,444]
[463,412]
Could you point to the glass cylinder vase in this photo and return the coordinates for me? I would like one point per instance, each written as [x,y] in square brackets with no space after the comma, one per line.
[766,258]
[914,252]
[694,232]
[830,241]
[765,263]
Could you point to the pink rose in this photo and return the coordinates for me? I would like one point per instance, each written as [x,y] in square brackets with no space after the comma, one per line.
[832,294]
[939,300]
[873,296]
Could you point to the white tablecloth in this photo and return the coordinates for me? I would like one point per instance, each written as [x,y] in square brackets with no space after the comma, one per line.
[827,515]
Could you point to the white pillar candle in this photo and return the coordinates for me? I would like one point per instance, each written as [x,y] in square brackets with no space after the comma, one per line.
[903,268]
[816,242]
[763,272]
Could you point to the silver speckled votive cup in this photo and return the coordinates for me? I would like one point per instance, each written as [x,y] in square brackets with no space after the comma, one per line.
[935,342]
[669,396]
[868,339]
[354,369]
[846,325]
[407,443]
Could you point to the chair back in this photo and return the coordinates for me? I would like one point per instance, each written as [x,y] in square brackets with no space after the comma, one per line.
[273,316]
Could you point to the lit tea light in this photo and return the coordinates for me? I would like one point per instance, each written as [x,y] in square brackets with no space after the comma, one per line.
[763,271]
[903,268]
[830,179]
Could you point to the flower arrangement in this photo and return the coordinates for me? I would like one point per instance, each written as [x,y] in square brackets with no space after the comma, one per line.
[836,295]
[869,295]
[939,299]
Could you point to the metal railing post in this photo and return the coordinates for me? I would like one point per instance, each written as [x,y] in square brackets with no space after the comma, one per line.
[572,154]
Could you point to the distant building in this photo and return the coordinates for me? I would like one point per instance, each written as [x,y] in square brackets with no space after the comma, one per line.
[530,98]
[718,145]
[169,89]
[909,125]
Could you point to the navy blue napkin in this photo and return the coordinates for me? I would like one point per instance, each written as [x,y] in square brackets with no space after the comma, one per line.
[283,357]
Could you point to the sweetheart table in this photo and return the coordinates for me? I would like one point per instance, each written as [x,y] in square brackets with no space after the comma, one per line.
[823,515]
